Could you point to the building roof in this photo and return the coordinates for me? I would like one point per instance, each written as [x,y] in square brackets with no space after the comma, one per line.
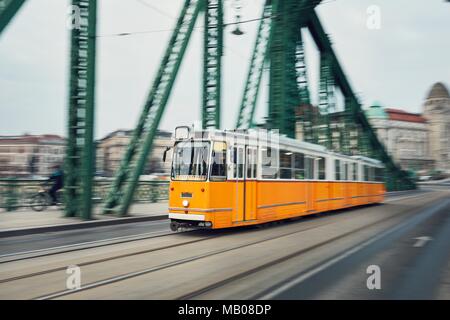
[33,139]
[438,91]
[376,111]
[129,133]
[400,115]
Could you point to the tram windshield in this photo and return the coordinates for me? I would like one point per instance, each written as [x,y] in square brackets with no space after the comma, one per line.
[190,160]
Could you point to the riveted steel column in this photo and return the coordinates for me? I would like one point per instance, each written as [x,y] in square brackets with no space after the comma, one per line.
[79,162]
[212,63]
[122,191]
[8,9]
[253,80]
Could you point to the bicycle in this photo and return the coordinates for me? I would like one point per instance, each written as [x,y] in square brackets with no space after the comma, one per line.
[42,199]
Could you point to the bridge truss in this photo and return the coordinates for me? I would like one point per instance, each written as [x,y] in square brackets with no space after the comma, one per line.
[278,46]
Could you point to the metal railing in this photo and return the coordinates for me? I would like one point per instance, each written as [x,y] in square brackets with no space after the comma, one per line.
[16,192]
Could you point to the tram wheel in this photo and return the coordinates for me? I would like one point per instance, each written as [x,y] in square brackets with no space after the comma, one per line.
[174,226]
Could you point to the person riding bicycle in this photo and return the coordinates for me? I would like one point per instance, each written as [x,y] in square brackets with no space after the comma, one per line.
[57,179]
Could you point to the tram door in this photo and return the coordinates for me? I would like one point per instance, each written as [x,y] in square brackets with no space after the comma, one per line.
[250,183]
[244,175]
[236,173]
[310,174]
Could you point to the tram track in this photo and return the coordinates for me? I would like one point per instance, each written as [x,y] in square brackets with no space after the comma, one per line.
[18,256]
[210,287]
[108,258]
[24,255]
[240,276]
[170,264]
[223,282]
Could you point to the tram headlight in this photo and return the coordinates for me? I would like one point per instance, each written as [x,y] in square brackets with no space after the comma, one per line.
[185,203]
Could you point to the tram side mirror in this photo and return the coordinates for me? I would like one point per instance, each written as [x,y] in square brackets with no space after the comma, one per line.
[165,153]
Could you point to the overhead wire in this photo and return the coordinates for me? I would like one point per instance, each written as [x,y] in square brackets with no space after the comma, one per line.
[131,33]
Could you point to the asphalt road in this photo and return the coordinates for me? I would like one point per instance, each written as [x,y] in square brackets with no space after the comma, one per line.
[49,240]
[326,256]
[412,257]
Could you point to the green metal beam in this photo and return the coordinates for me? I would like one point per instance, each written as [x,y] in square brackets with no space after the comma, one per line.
[212,63]
[283,92]
[302,76]
[122,190]
[324,45]
[79,162]
[8,9]
[326,103]
[253,81]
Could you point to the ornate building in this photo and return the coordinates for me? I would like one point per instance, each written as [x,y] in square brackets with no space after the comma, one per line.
[436,109]
[111,149]
[30,155]
[405,135]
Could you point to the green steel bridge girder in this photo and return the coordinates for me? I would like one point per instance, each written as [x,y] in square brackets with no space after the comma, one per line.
[8,9]
[122,190]
[253,81]
[79,161]
[324,45]
[212,63]
[283,91]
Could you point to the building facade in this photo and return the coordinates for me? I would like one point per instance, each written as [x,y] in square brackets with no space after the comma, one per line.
[30,155]
[111,149]
[405,136]
[436,109]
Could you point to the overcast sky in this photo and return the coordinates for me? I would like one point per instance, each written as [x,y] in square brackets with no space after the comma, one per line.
[395,64]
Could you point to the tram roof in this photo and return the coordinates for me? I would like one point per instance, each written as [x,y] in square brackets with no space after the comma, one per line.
[212,134]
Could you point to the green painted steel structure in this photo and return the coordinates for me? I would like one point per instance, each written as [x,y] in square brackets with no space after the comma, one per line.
[8,9]
[79,161]
[212,63]
[121,193]
[279,45]
[252,83]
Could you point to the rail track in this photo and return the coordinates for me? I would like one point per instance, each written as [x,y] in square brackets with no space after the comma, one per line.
[317,223]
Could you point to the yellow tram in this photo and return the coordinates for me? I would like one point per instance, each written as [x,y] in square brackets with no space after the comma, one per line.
[223,179]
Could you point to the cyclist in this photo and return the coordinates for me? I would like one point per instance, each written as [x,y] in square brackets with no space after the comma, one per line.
[57,179]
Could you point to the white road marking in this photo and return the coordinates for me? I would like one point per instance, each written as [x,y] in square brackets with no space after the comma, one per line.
[421,241]
[342,256]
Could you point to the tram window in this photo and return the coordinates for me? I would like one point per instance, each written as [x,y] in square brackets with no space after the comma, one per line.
[337,169]
[269,165]
[240,162]
[251,163]
[355,171]
[345,174]
[379,174]
[371,174]
[366,173]
[299,166]
[190,160]
[233,156]
[321,164]
[309,168]
[285,164]
[219,161]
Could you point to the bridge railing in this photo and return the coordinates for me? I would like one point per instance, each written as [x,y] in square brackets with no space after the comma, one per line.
[16,192]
